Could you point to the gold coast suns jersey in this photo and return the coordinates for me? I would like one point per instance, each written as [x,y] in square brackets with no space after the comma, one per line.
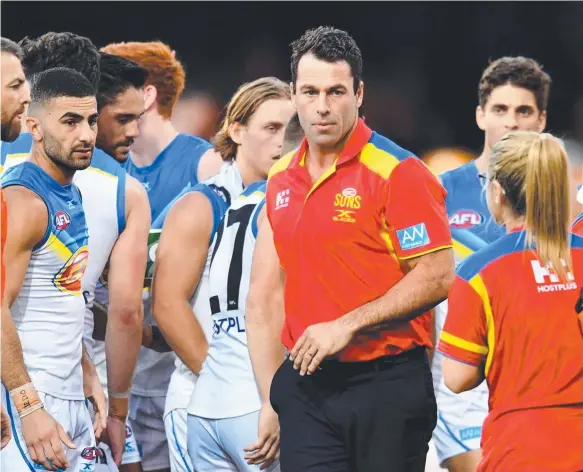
[49,310]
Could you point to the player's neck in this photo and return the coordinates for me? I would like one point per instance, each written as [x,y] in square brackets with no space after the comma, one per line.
[157,135]
[511,221]
[63,175]
[248,174]
[483,161]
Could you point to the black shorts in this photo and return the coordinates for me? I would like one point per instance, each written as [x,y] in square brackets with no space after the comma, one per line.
[372,416]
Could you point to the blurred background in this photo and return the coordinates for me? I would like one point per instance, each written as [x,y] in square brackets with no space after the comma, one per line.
[422,60]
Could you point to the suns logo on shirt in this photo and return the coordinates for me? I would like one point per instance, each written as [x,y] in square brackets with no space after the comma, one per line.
[465,219]
[68,279]
[347,202]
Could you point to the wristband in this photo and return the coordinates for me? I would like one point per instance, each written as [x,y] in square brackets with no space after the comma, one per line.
[26,399]
[123,395]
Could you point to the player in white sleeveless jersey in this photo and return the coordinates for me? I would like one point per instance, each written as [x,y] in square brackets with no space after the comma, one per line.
[46,255]
[117,214]
[249,141]
[223,415]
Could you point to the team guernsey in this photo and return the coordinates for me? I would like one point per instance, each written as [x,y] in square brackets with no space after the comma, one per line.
[531,337]
[220,190]
[226,386]
[460,417]
[49,315]
[172,170]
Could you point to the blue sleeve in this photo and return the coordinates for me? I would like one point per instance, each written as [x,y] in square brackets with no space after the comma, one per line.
[255,217]
[199,147]
[121,200]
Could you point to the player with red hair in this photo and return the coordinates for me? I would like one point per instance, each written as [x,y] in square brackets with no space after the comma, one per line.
[164,161]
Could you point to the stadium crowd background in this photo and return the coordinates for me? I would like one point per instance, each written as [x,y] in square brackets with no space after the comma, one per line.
[422,60]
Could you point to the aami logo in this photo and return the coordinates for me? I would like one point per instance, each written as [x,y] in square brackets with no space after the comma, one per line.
[282,199]
[465,219]
[549,281]
[413,236]
[62,220]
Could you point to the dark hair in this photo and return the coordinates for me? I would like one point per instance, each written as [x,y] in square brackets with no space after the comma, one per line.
[330,45]
[10,47]
[61,50]
[59,82]
[117,75]
[294,133]
[520,72]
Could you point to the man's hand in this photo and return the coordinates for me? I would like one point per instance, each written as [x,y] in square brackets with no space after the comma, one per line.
[265,451]
[318,342]
[5,430]
[94,393]
[43,437]
[116,437]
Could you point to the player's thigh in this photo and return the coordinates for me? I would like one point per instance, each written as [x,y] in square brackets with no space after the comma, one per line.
[83,436]
[176,434]
[458,432]
[235,434]
[146,417]
[131,454]
[204,450]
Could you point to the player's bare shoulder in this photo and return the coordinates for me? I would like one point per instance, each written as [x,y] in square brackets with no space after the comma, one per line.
[22,201]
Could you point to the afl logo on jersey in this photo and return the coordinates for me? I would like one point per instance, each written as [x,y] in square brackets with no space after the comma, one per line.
[62,220]
[69,277]
[465,219]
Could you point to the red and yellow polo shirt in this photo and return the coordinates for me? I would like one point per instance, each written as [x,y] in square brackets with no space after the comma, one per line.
[340,240]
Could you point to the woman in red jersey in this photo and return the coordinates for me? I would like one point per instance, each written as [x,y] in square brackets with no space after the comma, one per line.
[512,316]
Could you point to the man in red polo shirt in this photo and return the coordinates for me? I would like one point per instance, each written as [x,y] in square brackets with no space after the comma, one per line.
[357,230]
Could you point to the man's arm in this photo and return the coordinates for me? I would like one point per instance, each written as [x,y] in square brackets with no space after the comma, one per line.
[459,376]
[24,234]
[210,163]
[42,434]
[127,267]
[425,284]
[180,259]
[265,309]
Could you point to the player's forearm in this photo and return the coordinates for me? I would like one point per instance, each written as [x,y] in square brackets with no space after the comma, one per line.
[420,290]
[123,338]
[182,331]
[14,373]
[265,347]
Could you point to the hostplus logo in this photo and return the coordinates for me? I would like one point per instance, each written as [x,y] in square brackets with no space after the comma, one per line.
[549,281]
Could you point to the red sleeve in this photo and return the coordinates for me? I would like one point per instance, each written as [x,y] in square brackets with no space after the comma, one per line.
[578,225]
[464,336]
[415,210]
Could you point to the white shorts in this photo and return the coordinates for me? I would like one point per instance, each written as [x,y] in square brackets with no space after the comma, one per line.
[175,423]
[218,445]
[147,420]
[75,419]
[459,421]
[105,462]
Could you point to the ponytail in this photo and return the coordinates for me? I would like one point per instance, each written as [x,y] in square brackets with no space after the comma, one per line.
[533,170]
[547,203]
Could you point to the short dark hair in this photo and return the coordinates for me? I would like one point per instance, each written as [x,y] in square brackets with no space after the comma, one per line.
[520,72]
[293,135]
[61,50]
[330,45]
[59,82]
[10,47]
[117,75]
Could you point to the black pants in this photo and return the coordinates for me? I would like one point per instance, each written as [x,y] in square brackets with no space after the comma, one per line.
[373,416]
